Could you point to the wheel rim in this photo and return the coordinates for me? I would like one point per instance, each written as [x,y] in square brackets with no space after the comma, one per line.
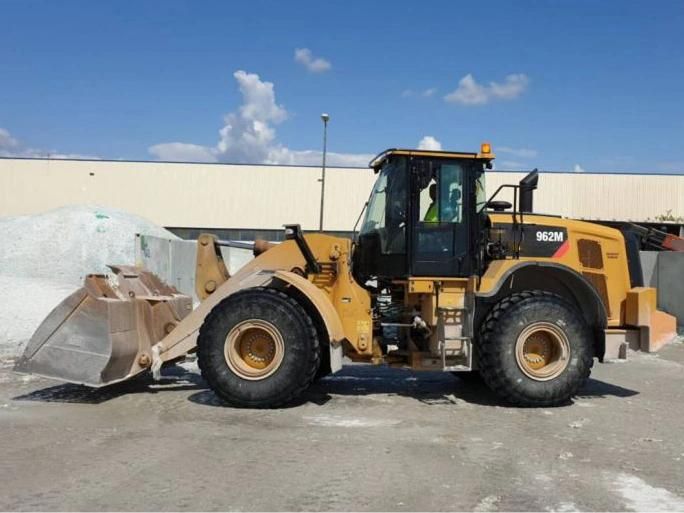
[254,349]
[542,351]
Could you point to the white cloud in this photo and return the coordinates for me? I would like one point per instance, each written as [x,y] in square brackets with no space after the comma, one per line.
[512,87]
[429,143]
[249,135]
[57,155]
[674,166]
[425,93]
[282,155]
[523,153]
[7,142]
[578,169]
[511,165]
[178,151]
[313,64]
[470,92]
[11,147]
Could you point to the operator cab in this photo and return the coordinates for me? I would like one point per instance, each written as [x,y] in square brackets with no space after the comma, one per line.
[424,215]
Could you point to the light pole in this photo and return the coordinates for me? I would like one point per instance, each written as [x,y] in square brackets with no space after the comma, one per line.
[325,117]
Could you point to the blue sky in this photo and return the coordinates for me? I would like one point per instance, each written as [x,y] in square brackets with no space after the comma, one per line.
[556,85]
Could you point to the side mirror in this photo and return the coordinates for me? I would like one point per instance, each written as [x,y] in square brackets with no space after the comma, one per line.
[499,205]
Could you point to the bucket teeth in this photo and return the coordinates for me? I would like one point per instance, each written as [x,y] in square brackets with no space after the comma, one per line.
[104,331]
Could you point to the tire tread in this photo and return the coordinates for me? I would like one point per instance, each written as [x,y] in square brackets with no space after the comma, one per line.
[559,389]
[209,333]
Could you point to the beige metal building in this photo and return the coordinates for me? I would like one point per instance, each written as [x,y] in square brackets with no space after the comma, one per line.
[244,201]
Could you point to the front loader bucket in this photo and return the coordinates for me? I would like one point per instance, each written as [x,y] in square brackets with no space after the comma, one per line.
[103,332]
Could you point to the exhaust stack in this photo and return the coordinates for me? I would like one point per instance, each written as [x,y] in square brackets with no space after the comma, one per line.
[527,187]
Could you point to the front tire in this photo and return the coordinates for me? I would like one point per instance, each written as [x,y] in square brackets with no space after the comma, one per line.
[535,349]
[258,348]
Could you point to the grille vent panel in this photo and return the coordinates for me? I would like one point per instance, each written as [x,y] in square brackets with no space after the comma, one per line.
[598,281]
[590,254]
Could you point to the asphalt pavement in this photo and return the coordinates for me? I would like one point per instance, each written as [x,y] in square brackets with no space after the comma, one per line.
[368,438]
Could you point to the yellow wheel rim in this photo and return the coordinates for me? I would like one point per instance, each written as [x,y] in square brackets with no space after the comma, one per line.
[542,351]
[254,349]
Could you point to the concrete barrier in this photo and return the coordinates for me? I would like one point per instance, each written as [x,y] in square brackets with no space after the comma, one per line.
[649,262]
[173,260]
[664,270]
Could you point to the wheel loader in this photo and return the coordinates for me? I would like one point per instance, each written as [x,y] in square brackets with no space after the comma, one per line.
[438,278]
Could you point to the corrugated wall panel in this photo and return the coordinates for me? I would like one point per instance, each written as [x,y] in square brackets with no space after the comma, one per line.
[602,196]
[266,197]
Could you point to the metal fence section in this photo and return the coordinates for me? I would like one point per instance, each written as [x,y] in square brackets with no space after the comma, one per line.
[173,260]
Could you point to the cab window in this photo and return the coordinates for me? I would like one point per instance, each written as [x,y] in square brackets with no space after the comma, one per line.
[441,200]
[450,193]
[387,208]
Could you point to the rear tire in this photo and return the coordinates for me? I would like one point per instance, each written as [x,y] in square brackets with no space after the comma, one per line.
[258,349]
[535,349]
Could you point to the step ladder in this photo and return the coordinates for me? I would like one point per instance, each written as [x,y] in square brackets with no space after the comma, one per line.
[464,349]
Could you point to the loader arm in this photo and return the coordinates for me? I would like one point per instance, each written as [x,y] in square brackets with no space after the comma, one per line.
[107,332]
[280,266]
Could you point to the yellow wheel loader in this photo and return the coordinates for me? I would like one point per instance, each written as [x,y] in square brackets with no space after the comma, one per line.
[440,278]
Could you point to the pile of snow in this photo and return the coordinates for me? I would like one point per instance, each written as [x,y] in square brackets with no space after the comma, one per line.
[65,244]
[25,302]
[44,257]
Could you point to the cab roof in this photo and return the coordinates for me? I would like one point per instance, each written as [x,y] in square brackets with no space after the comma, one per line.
[380,159]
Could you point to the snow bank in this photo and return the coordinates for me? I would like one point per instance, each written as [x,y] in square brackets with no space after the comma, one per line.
[25,302]
[65,244]
[44,257]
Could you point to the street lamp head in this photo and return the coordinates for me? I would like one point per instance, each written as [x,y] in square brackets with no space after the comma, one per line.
[325,117]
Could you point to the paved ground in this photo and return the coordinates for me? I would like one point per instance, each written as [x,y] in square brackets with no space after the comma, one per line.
[366,439]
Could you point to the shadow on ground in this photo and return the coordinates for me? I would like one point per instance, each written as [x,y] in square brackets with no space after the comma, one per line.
[175,378]
[598,388]
[432,388]
[359,380]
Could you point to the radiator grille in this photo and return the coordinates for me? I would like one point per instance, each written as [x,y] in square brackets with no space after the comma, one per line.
[598,281]
[590,254]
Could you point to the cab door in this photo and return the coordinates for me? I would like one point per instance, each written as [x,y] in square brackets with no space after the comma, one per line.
[382,248]
[440,239]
